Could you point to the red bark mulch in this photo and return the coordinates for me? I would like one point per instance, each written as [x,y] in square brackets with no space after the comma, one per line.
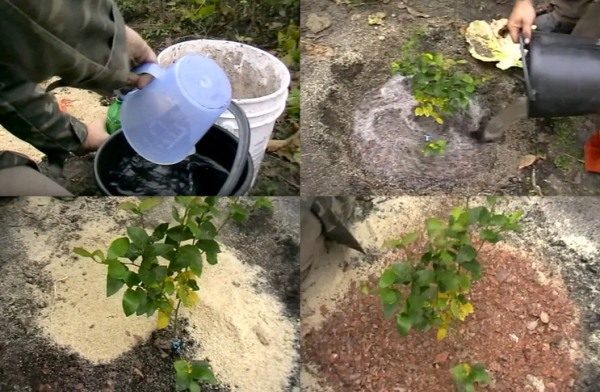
[356,349]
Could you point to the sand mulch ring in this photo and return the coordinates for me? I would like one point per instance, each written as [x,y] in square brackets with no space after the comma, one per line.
[356,349]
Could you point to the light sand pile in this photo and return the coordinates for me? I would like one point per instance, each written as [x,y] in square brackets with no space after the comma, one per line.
[244,333]
[82,104]
[79,315]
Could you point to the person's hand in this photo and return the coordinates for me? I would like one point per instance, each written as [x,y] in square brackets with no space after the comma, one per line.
[96,135]
[521,19]
[139,52]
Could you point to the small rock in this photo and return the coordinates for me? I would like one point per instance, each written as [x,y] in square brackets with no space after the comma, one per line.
[536,382]
[78,387]
[532,325]
[381,37]
[553,327]
[514,338]
[138,372]
[544,317]
[551,386]
[441,357]
[316,23]
[261,337]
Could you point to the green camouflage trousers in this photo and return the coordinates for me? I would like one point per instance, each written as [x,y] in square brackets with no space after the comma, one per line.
[585,14]
[80,41]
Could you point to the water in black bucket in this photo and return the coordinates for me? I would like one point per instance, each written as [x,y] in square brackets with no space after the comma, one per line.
[120,171]
[196,175]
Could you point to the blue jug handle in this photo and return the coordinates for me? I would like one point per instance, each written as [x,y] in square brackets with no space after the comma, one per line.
[149,68]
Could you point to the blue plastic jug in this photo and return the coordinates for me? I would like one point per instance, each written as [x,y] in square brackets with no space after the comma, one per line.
[163,121]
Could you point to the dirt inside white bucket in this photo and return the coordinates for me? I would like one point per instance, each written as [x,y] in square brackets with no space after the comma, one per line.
[250,72]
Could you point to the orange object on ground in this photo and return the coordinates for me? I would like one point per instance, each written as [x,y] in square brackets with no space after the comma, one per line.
[592,153]
[64,104]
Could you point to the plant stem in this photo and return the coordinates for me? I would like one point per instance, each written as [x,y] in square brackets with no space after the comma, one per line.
[175,320]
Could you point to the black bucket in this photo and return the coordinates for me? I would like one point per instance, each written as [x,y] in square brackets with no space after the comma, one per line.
[562,73]
[217,144]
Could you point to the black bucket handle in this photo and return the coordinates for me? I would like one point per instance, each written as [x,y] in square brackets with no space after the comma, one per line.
[530,91]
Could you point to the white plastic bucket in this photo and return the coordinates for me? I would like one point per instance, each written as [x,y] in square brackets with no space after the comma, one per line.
[259,80]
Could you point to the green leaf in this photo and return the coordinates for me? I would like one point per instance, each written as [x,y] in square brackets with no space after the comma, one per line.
[403,323]
[182,381]
[189,256]
[169,287]
[129,206]
[113,285]
[149,202]
[479,374]
[184,200]
[118,248]
[403,272]
[434,226]
[161,249]
[238,212]
[461,372]
[415,301]
[159,232]
[98,253]
[117,270]
[138,236]
[211,248]
[194,387]
[175,214]
[498,220]
[82,252]
[179,233]
[425,277]
[193,226]
[447,279]
[131,301]
[466,253]
[474,268]
[201,371]
[387,278]
[389,310]
[207,231]
[181,366]
[263,202]
[388,296]
[132,279]
[490,236]
[480,215]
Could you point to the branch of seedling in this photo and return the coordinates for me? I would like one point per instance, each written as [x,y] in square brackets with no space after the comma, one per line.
[430,286]
[172,260]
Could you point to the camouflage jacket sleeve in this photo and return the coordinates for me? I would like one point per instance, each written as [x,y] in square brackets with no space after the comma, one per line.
[80,41]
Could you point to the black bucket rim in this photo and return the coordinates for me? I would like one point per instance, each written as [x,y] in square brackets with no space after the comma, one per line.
[242,189]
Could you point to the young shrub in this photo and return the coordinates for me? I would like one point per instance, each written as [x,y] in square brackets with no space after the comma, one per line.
[431,289]
[465,376]
[160,268]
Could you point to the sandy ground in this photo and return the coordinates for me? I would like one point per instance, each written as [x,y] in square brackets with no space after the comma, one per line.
[240,325]
[562,234]
[82,104]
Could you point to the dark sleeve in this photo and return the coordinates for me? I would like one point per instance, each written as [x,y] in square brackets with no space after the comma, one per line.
[80,41]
